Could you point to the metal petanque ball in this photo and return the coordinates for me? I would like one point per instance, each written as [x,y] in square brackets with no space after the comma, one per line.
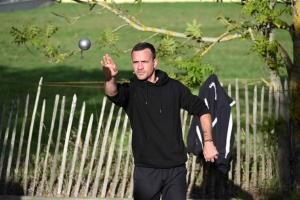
[84,44]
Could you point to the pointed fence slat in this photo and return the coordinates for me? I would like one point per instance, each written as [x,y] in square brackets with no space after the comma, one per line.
[25,174]
[263,157]
[95,146]
[55,157]
[130,190]
[64,155]
[247,181]
[5,141]
[229,90]
[238,135]
[2,119]
[188,168]
[102,153]
[269,134]
[192,175]
[16,178]
[230,174]
[37,156]
[83,156]
[254,127]
[110,155]
[118,165]
[48,145]
[125,174]
[75,151]
[12,144]
[185,115]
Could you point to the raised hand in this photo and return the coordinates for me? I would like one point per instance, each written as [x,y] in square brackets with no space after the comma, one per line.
[109,67]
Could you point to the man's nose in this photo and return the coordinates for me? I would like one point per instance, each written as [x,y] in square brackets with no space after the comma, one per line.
[140,65]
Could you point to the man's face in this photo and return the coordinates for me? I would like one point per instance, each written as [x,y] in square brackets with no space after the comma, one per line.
[144,65]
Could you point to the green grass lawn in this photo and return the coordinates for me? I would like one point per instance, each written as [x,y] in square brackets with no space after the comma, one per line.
[21,71]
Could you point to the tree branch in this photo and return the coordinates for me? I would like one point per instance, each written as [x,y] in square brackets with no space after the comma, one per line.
[144,28]
[216,41]
[285,57]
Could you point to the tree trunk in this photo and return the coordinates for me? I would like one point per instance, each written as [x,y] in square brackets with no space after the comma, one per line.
[294,82]
[281,135]
[282,151]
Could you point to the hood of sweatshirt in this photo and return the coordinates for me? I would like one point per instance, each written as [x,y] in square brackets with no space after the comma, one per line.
[163,79]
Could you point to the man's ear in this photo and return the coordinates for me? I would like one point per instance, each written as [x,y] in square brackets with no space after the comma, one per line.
[155,62]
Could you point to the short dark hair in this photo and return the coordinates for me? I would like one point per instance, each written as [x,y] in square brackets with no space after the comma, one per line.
[144,45]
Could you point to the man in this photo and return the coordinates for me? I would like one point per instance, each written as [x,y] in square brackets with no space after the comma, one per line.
[152,101]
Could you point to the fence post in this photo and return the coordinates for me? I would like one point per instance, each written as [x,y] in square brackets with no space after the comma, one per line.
[254,137]
[115,179]
[95,146]
[247,160]
[102,153]
[65,151]
[53,167]
[75,152]
[184,122]
[2,119]
[5,139]
[269,136]
[83,156]
[110,154]
[230,173]
[37,157]
[30,137]
[263,159]
[48,145]
[12,144]
[192,175]
[123,185]
[130,190]
[16,179]
[238,133]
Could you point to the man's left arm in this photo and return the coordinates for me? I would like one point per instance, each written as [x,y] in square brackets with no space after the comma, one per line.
[209,150]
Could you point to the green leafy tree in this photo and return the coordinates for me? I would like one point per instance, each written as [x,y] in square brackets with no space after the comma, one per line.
[266,18]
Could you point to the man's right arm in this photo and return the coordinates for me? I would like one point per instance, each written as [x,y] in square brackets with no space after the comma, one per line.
[110,70]
[110,86]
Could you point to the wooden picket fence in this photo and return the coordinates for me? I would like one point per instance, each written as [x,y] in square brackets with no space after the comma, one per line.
[87,161]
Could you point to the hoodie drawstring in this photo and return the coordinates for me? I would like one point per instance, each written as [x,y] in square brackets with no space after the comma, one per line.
[160,109]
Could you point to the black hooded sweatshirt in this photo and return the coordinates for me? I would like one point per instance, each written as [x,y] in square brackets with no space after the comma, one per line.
[154,113]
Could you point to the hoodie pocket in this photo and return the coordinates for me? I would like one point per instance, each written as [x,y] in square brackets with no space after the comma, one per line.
[162,151]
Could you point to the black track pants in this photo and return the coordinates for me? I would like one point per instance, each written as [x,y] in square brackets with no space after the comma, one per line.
[151,183]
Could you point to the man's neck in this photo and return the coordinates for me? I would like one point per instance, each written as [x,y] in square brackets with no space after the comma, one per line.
[153,80]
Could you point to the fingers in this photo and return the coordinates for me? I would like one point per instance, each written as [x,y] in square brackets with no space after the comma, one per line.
[213,158]
[107,61]
[108,64]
